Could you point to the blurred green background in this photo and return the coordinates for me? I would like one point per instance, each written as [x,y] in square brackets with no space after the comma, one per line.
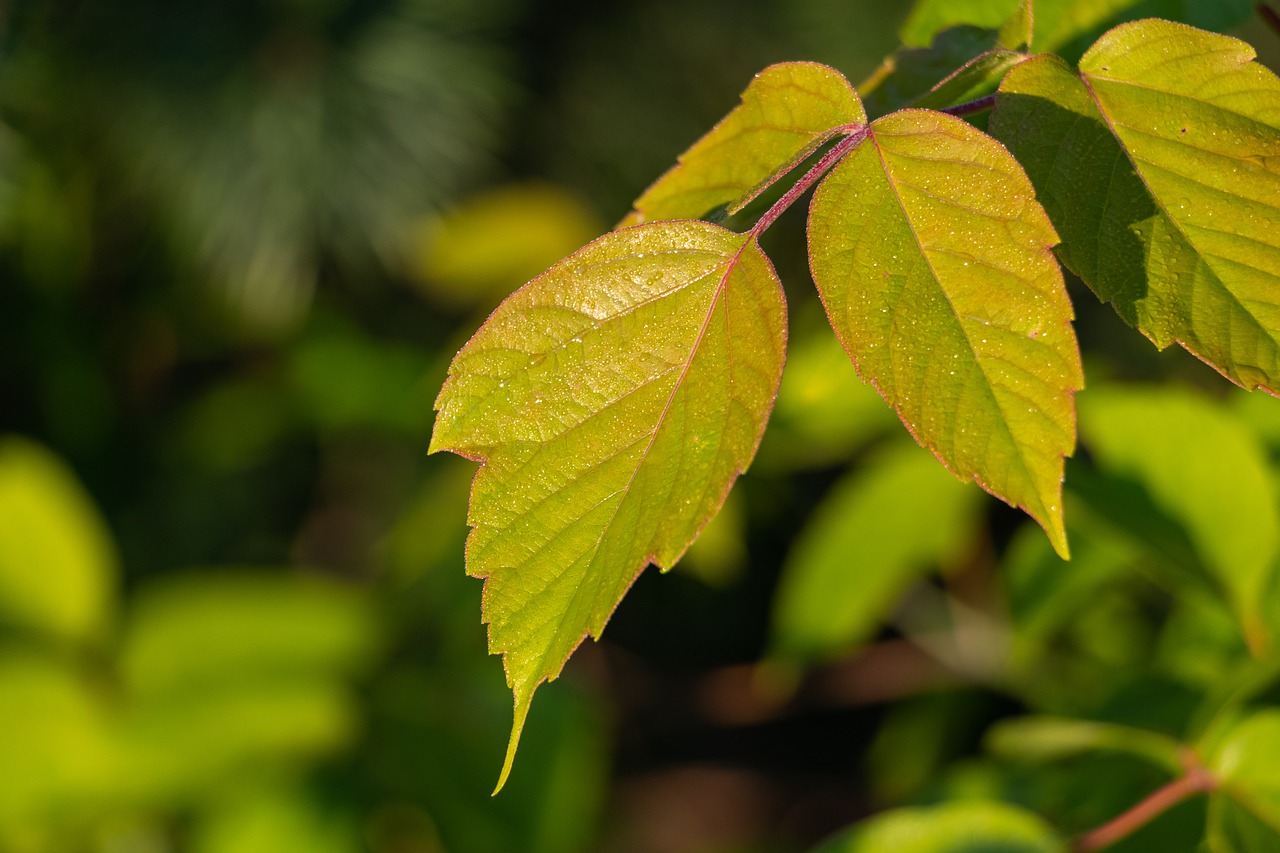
[240,242]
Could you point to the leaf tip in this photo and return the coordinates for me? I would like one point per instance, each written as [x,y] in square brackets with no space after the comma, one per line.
[517,726]
[1056,530]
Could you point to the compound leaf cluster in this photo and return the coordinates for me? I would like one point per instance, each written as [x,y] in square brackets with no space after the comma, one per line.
[614,399]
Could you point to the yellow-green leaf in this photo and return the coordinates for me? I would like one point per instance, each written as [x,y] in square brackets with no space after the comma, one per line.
[1159,163]
[933,260]
[57,561]
[786,113]
[1246,766]
[965,826]
[880,529]
[612,400]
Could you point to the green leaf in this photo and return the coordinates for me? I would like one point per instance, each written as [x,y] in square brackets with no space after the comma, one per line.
[1046,595]
[933,260]
[1234,829]
[194,629]
[57,561]
[1045,738]
[960,827]
[613,400]
[961,64]
[824,412]
[787,112]
[54,736]
[227,668]
[1016,33]
[1246,766]
[1061,25]
[871,537]
[928,18]
[909,73]
[1183,237]
[1204,468]
[976,78]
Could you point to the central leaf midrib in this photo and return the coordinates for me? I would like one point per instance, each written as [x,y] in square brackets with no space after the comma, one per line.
[986,384]
[729,266]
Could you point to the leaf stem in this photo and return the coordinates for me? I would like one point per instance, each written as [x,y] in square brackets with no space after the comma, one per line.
[968,108]
[1197,781]
[834,155]
[1271,16]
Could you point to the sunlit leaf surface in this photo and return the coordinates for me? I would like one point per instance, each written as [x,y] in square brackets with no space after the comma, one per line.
[933,260]
[788,110]
[1165,186]
[613,400]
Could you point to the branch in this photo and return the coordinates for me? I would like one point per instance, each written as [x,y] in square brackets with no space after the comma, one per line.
[1197,781]
[968,108]
[811,177]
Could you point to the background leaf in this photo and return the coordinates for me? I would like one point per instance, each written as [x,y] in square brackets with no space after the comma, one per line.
[1066,26]
[1045,738]
[1204,468]
[613,401]
[786,113]
[1182,238]
[932,258]
[909,73]
[1245,763]
[57,562]
[961,827]
[490,243]
[888,522]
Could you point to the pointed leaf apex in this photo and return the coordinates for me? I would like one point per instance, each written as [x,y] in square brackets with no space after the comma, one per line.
[1057,532]
[523,700]
[1016,33]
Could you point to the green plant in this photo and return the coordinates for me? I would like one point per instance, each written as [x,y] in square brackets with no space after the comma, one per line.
[614,399]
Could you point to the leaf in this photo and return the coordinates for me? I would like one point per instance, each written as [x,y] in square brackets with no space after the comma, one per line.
[961,64]
[192,630]
[824,412]
[1183,238]
[976,78]
[959,827]
[1045,595]
[1204,468]
[1046,738]
[612,400]
[494,241]
[928,18]
[1245,764]
[787,112]
[1061,25]
[877,531]
[55,739]
[57,561]
[932,258]
[909,73]
[1234,829]
[227,668]
[1017,32]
